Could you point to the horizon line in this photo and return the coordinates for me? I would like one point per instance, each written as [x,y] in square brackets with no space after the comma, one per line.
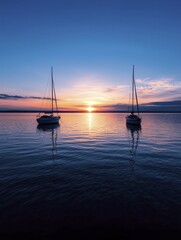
[84,111]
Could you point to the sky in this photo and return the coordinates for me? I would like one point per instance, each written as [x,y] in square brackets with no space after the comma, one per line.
[92,46]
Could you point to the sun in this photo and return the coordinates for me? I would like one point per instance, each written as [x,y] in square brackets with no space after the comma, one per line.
[90,109]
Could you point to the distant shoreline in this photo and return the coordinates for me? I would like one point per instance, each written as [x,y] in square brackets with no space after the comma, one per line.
[36,111]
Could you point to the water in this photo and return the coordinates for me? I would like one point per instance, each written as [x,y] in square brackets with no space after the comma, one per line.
[91,176]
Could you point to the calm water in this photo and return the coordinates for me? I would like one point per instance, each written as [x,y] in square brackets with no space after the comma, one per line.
[91,175]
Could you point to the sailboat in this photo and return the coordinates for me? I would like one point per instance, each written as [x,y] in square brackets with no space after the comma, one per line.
[49,117]
[133,118]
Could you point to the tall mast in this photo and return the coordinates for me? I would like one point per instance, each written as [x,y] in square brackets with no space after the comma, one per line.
[133,83]
[52,86]
[136,100]
[55,97]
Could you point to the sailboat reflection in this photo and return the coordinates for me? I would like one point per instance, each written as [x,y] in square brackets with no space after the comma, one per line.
[53,130]
[134,134]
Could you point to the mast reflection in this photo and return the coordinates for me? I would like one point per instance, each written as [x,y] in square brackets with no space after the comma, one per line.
[133,135]
[53,130]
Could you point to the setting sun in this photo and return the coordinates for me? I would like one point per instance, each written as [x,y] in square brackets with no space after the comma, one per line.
[90,109]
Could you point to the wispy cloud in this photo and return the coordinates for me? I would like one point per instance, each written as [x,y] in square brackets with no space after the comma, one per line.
[18,97]
[162,89]
[115,88]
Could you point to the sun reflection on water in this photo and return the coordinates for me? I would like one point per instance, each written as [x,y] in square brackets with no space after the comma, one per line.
[90,121]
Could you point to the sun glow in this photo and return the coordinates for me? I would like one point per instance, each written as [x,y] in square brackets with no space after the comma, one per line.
[90,109]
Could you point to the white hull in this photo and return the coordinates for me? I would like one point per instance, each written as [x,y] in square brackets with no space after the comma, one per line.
[48,120]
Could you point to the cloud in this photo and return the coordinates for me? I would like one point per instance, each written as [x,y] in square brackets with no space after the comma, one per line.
[17,97]
[158,89]
[167,103]
[116,88]
[162,106]
[151,106]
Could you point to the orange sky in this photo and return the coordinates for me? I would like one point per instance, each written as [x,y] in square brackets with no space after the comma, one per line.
[100,96]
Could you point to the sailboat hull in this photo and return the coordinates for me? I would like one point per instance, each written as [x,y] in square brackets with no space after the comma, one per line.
[47,120]
[133,120]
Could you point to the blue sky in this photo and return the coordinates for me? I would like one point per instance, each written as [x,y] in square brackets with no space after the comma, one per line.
[92,46]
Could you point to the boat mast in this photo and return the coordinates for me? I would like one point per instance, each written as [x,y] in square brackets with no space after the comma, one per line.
[136,100]
[133,83]
[55,97]
[52,86]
